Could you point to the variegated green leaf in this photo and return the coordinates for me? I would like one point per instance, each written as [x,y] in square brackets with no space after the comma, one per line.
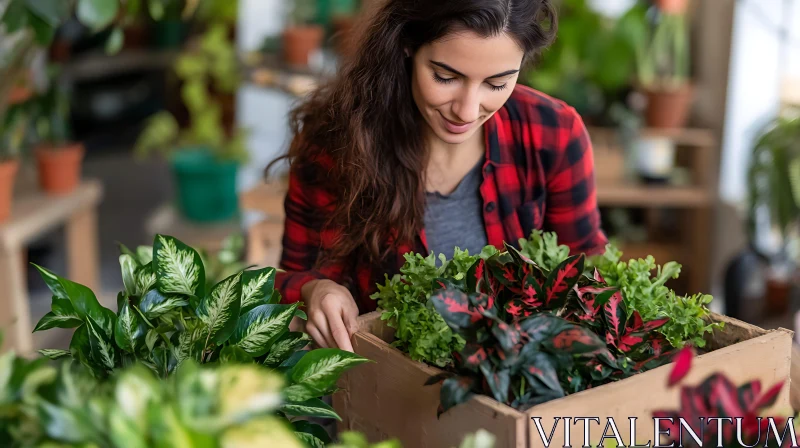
[130,329]
[274,298]
[257,287]
[155,304]
[260,327]
[234,354]
[310,440]
[178,267]
[310,408]
[320,369]
[51,320]
[190,344]
[151,339]
[219,310]
[102,350]
[145,278]
[301,314]
[54,353]
[145,254]
[285,346]
[301,392]
[128,265]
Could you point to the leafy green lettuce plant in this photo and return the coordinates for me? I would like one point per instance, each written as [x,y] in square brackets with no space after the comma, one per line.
[166,317]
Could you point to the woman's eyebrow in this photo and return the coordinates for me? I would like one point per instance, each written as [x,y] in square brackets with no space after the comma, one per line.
[454,71]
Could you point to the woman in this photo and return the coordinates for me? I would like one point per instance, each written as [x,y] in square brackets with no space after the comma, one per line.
[424,142]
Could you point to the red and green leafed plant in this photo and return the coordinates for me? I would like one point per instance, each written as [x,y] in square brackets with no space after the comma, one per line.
[533,335]
[717,397]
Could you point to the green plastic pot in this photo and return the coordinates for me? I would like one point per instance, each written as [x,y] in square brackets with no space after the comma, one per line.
[206,187]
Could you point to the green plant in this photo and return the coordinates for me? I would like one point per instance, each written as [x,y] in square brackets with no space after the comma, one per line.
[302,12]
[662,50]
[51,113]
[774,175]
[405,300]
[209,72]
[15,131]
[589,65]
[534,335]
[166,317]
[168,9]
[643,286]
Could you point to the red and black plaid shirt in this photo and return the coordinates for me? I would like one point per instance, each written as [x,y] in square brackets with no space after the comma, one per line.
[538,174]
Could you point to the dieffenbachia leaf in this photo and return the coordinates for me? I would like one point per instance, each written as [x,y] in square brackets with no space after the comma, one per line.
[151,339]
[179,268]
[219,310]
[102,349]
[155,304]
[128,266]
[130,329]
[257,329]
[310,408]
[144,254]
[318,432]
[51,320]
[83,301]
[320,369]
[285,346]
[54,353]
[190,344]
[257,288]
[145,278]
[234,354]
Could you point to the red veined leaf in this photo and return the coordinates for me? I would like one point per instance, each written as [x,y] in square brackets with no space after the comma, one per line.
[507,335]
[541,326]
[653,362]
[724,397]
[562,279]
[575,340]
[653,324]
[768,399]
[475,278]
[483,303]
[748,393]
[472,355]
[498,381]
[540,368]
[615,314]
[683,362]
[598,277]
[514,308]
[438,378]
[454,307]
[628,342]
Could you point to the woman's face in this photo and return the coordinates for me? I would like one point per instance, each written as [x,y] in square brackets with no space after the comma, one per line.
[459,81]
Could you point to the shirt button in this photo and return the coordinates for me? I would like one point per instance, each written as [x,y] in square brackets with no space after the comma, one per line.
[490,207]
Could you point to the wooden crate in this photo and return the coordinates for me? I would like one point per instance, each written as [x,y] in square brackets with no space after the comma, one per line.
[388,398]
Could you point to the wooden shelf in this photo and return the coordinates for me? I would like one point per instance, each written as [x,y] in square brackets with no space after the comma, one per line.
[632,195]
[696,137]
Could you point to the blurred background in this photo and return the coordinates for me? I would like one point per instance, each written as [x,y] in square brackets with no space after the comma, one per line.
[159,116]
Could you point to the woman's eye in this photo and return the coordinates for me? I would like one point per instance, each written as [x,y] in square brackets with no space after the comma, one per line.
[438,78]
[497,88]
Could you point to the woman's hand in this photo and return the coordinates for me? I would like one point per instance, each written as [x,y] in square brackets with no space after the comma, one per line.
[332,314]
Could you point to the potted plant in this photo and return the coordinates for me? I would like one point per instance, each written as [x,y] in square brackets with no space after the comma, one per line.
[58,157]
[205,156]
[13,131]
[302,36]
[662,61]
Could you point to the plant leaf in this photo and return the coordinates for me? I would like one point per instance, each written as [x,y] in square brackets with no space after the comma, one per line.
[454,307]
[320,369]
[189,344]
[310,408]
[257,288]
[498,380]
[313,429]
[258,329]
[54,353]
[219,310]
[51,320]
[539,367]
[155,304]
[575,340]
[128,266]
[151,339]
[234,354]
[178,267]
[145,278]
[285,346]
[97,14]
[562,279]
[455,390]
[102,350]
[130,329]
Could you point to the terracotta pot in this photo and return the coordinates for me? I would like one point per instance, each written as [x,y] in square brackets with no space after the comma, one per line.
[8,172]
[300,42]
[669,108]
[59,168]
[20,94]
[672,6]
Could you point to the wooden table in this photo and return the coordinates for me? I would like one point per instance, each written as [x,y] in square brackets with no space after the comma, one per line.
[33,214]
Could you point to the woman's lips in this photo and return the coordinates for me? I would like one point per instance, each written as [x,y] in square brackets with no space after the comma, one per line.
[455,128]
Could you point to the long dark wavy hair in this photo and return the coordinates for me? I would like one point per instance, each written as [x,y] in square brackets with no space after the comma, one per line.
[366,121]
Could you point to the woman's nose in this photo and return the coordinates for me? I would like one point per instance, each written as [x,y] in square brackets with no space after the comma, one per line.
[467,107]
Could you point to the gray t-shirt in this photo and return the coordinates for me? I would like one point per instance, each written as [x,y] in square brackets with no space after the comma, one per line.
[456,220]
